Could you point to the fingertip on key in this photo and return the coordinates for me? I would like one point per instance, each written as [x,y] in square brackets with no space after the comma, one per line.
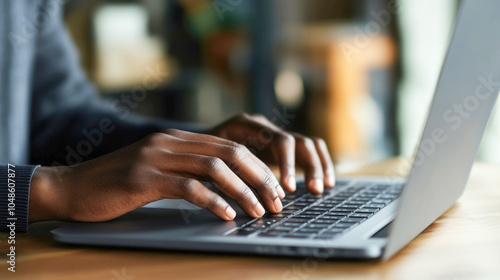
[317,185]
[230,213]
[281,192]
[330,181]
[292,183]
[277,205]
[259,210]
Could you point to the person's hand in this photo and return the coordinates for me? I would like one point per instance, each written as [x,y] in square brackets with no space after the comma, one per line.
[276,146]
[162,165]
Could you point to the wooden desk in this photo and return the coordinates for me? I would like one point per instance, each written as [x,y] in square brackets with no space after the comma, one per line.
[463,244]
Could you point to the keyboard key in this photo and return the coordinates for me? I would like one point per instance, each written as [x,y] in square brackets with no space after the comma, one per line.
[273,233]
[381,201]
[301,204]
[297,220]
[328,216]
[343,225]
[308,230]
[333,200]
[367,195]
[319,225]
[361,200]
[305,216]
[277,215]
[329,206]
[311,212]
[299,236]
[338,212]
[361,215]
[367,210]
[291,209]
[294,225]
[327,236]
[323,220]
[345,210]
[259,226]
[375,205]
[283,228]
[352,220]
[334,230]
[269,221]
[320,209]
[348,206]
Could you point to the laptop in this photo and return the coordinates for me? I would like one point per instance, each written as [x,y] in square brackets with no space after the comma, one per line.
[361,218]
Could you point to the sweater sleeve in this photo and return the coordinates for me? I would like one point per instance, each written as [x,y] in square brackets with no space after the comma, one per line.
[14,197]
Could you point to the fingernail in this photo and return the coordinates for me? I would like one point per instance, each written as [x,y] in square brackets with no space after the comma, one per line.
[277,204]
[230,213]
[292,184]
[281,192]
[331,181]
[317,185]
[259,210]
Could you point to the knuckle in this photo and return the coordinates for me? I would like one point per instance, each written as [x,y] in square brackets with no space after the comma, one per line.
[286,138]
[267,169]
[259,117]
[188,187]
[307,142]
[237,152]
[136,170]
[172,131]
[268,181]
[143,153]
[213,164]
[319,141]
[213,202]
[245,193]
[316,139]
[155,138]
[243,116]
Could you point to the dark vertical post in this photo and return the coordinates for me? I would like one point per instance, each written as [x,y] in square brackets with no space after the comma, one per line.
[263,64]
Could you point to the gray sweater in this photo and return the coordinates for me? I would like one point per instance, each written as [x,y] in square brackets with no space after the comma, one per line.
[49,112]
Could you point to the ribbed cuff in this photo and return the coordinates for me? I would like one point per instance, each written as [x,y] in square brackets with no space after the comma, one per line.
[14,197]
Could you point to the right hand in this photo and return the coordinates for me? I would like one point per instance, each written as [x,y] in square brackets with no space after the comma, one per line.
[162,165]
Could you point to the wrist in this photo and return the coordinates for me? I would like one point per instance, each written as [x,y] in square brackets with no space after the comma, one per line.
[46,199]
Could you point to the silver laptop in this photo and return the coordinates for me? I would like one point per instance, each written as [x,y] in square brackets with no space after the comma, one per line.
[361,218]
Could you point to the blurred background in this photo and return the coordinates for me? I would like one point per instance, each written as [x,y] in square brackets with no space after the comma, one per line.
[358,73]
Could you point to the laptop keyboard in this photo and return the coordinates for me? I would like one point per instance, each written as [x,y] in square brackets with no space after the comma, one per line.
[325,216]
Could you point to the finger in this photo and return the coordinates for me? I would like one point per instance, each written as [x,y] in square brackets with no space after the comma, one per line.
[284,153]
[308,159]
[281,144]
[217,172]
[195,192]
[283,150]
[233,152]
[326,162]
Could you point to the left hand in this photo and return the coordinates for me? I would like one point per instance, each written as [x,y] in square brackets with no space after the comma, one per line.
[275,146]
